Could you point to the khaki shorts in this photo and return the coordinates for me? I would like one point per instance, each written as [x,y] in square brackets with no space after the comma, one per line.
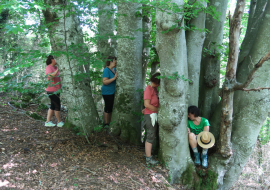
[151,132]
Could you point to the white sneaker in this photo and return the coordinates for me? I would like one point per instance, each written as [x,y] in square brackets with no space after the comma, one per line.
[49,124]
[60,124]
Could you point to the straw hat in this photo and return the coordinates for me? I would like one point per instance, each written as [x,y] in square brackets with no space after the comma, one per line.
[206,139]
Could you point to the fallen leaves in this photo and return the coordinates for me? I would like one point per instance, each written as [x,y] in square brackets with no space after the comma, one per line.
[35,157]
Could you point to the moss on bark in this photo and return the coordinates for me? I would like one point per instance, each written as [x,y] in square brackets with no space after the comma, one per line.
[190,179]
[200,179]
[123,103]
[72,127]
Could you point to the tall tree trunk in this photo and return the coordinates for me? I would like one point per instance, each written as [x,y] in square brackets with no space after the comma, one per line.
[230,79]
[106,27]
[146,29]
[254,105]
[65,37]
[254,21]
[210,64]
[172,118]
[195,40]
[126,110]
[252,110]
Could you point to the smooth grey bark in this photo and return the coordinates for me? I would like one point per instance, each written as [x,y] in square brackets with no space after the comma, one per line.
[173,101]
[224,147]
[254,105]
[106,42]
[210,64]
[256,8]
[65,33]
[146,29]
[195,40]
[254,21]
[250,110]
[125,115]
[256,13]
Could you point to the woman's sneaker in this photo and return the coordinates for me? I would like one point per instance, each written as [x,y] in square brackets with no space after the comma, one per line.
[60,124]
[49,124]
[151,160]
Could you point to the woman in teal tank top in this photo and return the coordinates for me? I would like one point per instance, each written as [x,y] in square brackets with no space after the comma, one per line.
[108,88]
[196,125]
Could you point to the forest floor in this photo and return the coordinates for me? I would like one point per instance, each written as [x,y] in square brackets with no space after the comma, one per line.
[36,157]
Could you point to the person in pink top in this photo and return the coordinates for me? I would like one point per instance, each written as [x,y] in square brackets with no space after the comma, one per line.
[151,104]
[53,88]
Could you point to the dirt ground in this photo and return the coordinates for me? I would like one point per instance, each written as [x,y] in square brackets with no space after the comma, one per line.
[36,157]
[256,173]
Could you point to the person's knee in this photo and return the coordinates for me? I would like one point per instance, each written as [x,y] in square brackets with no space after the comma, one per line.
[191,136]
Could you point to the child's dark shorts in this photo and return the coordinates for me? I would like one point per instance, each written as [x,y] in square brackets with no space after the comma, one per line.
[150,130]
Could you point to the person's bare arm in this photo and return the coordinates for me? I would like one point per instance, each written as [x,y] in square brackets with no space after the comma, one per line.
[206,128]
[149,106]
[53,74]
[107,81]
[188,129]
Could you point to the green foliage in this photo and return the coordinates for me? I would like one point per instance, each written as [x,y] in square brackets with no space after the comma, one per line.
[35,116]
[169,179]
[187,176]
[264,135]
[19,104]
[192,10]
[42,107]
[213,50]
[75,129]
[27,96]
[209,180]
[98,129]
[200,180]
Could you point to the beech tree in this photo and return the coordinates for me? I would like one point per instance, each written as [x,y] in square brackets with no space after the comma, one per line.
[210,62]
[189,51]
[235,132]
[172,117]
[146,29]
[106,26]
[250,107]
[129,66]
[195,39]
[66,39]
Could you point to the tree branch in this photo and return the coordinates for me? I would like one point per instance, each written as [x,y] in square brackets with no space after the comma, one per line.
[255,89]
[225,148]
[250,76]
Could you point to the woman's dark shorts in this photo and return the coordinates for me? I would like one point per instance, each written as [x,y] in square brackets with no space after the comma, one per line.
[55,101]
[109,100]
[150,130]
